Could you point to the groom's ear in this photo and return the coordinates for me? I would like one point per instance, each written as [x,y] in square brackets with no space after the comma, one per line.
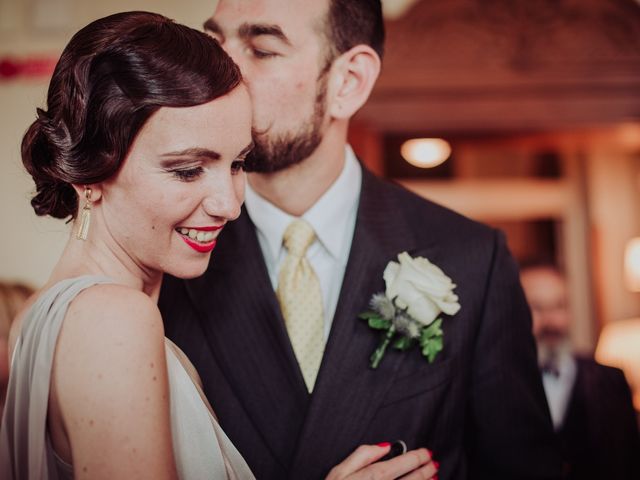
[352,77]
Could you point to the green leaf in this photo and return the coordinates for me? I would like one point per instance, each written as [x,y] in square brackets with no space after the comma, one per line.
[379,323]
[431,340]
[431,347]
[403,343]
[368,315]
[432,331]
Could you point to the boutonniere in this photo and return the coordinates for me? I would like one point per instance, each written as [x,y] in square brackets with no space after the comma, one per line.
[408,313]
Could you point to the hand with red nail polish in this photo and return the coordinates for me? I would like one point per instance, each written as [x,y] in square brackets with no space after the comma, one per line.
[364,464]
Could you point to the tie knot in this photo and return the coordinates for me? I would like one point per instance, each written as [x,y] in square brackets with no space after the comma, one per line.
[298,236]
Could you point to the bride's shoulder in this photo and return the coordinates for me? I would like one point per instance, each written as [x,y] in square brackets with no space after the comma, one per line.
[109,376]
[115,304]
[113,317]
[114,333]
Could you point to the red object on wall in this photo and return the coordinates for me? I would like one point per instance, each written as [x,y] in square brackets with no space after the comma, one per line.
[12,68]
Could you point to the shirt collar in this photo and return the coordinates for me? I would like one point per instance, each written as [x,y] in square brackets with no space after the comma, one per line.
[326,216]
[565,367]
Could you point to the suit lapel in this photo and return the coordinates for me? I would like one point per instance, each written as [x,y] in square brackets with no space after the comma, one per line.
[348,392]
[247,337]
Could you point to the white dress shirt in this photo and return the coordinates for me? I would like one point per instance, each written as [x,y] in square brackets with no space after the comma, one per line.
[333,218]
[558,387]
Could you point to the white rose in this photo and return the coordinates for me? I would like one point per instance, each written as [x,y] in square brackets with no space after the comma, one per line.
[421,288]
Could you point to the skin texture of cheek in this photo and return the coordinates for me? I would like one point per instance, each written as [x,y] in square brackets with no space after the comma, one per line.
[155,223]
[182,197]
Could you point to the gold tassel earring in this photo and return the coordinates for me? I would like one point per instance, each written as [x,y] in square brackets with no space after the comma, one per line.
[85,216]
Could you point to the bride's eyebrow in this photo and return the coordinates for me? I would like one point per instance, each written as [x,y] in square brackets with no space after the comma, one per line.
[178,157]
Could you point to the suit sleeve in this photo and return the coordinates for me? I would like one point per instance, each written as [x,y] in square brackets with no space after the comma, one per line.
[620,436]
[509,430]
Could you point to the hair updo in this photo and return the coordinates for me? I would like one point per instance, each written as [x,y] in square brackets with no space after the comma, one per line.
[112,76]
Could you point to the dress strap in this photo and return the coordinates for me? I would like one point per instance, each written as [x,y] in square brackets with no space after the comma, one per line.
[235,465]
[192,372]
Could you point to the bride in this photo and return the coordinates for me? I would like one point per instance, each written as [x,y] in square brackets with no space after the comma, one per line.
[142,145]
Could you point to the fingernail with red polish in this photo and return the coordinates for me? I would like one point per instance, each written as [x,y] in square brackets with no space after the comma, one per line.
[384,444]
[436,463]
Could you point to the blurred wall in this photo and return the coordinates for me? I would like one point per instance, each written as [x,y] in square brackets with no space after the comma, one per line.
[40,29]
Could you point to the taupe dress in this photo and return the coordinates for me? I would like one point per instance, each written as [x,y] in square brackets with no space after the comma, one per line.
[201,448]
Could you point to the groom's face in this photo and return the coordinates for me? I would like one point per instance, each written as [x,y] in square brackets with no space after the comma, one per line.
[281,48]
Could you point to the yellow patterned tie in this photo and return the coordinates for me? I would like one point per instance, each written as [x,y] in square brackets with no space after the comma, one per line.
[300,300]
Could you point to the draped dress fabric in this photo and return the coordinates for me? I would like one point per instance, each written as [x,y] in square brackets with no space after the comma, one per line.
[201,449]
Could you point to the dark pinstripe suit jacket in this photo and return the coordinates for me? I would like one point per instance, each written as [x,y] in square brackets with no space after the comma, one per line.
[599,436]
[479,407]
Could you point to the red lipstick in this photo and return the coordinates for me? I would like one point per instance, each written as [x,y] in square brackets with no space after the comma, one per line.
[199,247]
[212,228]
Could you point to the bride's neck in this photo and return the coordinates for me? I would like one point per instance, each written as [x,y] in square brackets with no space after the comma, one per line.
[97,257]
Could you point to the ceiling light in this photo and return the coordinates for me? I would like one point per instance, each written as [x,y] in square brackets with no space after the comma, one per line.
[425,152]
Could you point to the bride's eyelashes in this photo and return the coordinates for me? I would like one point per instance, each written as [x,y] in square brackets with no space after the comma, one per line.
[193,173]
[187,174]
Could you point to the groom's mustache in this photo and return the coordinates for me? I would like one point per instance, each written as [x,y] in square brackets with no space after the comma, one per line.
[551,334]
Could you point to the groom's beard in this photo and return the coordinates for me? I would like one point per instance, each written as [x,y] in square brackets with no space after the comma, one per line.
[551,347]
[278,152]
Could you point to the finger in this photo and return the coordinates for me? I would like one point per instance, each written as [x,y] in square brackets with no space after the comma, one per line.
[426,472]
[363,455]
[410,461]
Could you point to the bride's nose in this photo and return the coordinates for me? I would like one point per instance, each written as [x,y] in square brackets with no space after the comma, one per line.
[224,199]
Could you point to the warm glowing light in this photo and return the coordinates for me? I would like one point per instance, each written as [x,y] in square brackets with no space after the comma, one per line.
[394,9]
[425,152]
[632,265]
[618,347]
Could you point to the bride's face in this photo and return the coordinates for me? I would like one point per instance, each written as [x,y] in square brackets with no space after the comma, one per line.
[180,183]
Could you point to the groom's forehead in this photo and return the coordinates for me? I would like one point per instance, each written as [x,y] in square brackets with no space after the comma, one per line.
[289,15]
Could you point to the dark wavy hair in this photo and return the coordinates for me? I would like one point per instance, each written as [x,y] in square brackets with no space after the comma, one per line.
[354,22]
[112,76]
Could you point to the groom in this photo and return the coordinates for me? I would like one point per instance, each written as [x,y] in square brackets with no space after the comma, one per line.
[273,326]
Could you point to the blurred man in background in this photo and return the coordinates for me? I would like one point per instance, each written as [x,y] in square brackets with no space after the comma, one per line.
[590,404]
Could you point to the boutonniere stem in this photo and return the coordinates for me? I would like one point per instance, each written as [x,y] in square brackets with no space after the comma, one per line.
[376,357]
